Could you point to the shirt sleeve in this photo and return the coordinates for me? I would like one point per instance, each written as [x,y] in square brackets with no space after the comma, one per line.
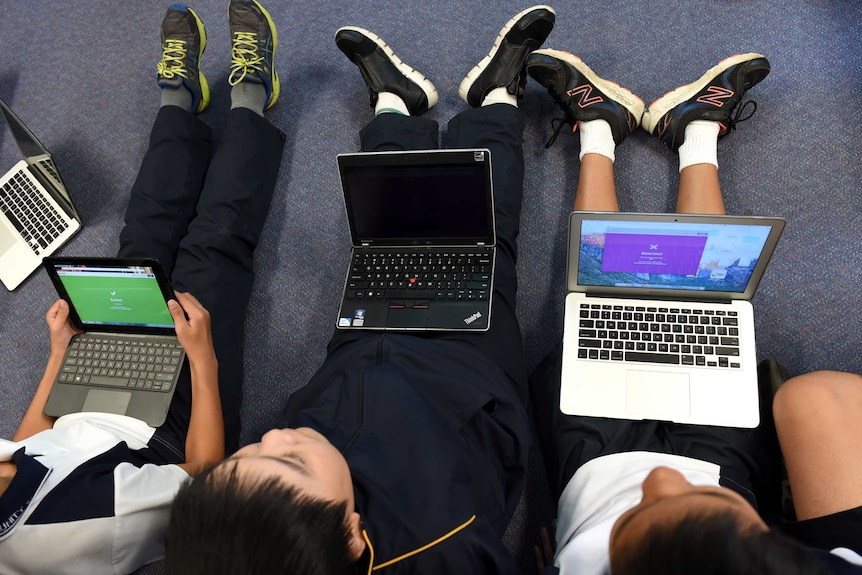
[142,502]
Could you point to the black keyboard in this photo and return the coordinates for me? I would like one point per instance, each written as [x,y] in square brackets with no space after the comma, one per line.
[663,335]
[444,274]
[30,212]
[127,362]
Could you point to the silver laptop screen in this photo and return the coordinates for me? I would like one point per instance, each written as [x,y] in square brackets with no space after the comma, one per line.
[669,255]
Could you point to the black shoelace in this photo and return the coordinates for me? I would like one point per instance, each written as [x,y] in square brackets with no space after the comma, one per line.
[557,126]
[737,115]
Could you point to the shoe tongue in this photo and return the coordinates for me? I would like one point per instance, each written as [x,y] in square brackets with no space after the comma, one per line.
[175,26]
[244,21]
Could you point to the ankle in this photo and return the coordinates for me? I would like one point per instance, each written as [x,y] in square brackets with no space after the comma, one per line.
[500,95]
[179,96]
[248,95]
[387,102]
[700,145]
[596,138]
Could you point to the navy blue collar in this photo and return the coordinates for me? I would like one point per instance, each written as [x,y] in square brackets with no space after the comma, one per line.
[20,492]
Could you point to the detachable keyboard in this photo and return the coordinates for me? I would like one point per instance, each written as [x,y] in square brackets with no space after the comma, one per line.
[444,274]
[151,363]
[30,212]
[663,335]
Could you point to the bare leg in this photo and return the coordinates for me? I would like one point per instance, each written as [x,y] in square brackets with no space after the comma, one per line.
[699,190]
[596,190]
[602,121]
[818,417]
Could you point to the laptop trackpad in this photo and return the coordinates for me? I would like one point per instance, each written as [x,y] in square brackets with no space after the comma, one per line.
[107,401]
[657,394]
[407,317]
[7,238]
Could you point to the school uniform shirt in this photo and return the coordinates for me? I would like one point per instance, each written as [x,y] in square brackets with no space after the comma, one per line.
[606,487]
[436,440]
[86,498]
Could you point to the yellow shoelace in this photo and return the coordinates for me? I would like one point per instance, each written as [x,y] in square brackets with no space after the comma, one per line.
[245,58]
[173,59]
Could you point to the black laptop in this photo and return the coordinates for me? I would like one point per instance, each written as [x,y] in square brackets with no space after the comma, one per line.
[422,228]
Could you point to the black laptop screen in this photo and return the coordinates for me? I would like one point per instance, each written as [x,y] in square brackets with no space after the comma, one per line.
[419,204]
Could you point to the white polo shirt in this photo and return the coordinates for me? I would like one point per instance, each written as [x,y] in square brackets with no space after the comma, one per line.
[85,498]
[606,487]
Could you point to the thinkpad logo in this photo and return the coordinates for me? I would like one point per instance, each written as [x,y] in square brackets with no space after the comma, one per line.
[472,318]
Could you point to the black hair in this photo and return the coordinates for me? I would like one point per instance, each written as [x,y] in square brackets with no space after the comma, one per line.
[220,525]
[712,544]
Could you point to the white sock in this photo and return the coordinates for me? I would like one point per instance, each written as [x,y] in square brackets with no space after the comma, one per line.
[500,96]
[596,138]
[389,102]
[700,144]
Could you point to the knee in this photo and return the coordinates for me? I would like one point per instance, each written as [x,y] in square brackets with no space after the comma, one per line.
[816,397]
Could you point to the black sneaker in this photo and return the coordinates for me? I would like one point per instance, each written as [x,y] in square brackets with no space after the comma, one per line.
[254,40]
[504,64]
[712,97]
[583,95]
[183,42]
[383,71]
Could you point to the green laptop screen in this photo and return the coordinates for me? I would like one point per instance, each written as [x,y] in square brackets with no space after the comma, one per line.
[122,296]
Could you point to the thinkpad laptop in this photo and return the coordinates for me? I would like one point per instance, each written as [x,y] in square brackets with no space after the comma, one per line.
[36,212]
[128,359]
[422,227]
[658,322]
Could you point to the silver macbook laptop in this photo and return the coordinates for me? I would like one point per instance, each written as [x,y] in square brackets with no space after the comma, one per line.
[128,358]
[422,228]
[658,320]
[36,212]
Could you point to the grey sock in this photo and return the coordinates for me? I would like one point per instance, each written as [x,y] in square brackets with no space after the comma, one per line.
[179,96]
[248,95]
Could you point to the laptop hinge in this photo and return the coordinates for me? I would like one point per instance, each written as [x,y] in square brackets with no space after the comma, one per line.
[658,298]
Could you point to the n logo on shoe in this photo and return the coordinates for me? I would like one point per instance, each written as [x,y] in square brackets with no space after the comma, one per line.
[584,92]
[662,125]
[716,96]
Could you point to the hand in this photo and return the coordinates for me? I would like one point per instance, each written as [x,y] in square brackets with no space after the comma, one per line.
[544,553]
[60,326]
[194,333]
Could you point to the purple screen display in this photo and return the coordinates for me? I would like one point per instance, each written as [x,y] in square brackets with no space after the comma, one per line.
[657,254]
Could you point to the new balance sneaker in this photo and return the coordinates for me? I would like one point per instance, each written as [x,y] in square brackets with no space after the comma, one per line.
[583,95]
[254,40]
[713,97]
[383,71]
[504,64]
[183,42]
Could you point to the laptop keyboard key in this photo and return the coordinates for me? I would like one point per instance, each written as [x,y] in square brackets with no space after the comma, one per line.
[652,357]
[109,381]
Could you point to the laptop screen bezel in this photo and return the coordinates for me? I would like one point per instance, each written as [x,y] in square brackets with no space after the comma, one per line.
[51,264]
[574,241]
[419,158]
